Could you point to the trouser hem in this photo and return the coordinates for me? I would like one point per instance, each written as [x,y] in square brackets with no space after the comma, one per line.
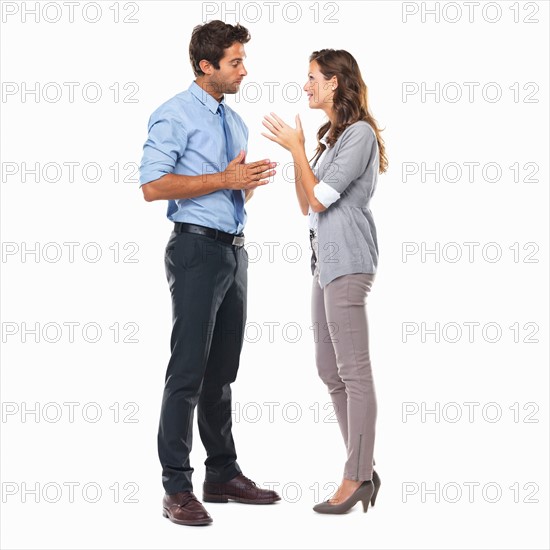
[223,478]
[365,476]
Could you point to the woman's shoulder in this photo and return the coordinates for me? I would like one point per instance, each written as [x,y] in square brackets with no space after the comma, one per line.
[360,134]
[361,127]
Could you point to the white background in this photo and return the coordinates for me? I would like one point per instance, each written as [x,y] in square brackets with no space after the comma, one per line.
[298,449]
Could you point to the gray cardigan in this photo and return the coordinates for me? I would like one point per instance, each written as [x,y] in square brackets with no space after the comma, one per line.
[346,232]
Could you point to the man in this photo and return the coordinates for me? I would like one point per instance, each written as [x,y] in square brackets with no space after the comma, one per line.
[194,157]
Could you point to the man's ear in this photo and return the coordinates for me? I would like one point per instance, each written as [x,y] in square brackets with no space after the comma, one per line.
[206,66]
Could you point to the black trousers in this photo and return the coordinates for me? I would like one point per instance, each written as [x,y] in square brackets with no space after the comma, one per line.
[208,282]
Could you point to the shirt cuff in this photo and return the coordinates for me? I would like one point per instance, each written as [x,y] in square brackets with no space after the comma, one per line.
[149,176]
[325,194]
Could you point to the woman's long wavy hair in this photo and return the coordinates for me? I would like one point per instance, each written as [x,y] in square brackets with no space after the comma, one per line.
[349,101]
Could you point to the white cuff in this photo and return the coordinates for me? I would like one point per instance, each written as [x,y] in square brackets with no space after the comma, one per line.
[325,194]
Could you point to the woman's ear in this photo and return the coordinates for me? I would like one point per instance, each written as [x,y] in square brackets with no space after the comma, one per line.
[333,83]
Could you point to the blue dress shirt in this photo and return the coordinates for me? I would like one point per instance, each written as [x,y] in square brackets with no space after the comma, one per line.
[186,137]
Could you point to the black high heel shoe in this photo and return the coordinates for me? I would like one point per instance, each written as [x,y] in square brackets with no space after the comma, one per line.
[367,491]
[376,482]
[363,493]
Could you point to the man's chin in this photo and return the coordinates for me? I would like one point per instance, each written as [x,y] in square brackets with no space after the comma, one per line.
[232,90]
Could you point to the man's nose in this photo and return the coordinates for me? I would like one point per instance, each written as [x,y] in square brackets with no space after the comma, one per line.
[244,72]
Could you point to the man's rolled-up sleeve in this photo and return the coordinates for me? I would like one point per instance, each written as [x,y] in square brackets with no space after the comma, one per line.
[165,144]
[352,158]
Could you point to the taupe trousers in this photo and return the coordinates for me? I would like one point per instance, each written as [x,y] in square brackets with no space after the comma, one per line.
[343,361]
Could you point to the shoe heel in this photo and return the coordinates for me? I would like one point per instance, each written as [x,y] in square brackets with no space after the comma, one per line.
[365,505]
[376,482]
[373,499]
[164,514]
[214,498]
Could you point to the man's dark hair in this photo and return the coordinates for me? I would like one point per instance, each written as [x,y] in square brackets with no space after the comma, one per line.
[208,42]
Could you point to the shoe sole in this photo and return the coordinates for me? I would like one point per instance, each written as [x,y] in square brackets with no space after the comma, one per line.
[226,498]
[188,522]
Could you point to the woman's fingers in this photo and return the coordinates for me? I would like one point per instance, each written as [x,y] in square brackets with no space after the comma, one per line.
[269,126]
[271,120]
[275,121]
[270,137]
[279,120]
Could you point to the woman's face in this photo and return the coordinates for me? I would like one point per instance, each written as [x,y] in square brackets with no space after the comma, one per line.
[319,90]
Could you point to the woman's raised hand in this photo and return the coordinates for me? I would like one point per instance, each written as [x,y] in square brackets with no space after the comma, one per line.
[283,134]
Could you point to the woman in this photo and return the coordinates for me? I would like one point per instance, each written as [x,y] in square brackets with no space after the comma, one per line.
[335,192]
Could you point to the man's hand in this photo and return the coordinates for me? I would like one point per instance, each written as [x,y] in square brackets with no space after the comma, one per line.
[239,175]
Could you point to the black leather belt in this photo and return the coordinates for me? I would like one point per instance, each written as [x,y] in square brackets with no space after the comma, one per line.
[227,238]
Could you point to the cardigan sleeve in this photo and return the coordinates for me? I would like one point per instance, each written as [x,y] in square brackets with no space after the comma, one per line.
[355,149]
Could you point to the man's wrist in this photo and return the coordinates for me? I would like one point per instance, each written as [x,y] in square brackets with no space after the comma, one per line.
[215,181]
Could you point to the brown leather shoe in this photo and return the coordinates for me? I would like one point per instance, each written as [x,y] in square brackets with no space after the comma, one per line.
[185,509]
[239,489]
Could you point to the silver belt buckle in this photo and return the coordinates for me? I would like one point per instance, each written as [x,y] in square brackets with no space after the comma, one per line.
[238,241]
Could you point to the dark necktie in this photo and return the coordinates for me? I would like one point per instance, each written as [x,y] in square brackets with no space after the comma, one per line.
[238,195]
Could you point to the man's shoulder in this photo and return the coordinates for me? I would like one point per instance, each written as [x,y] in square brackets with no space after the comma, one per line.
[173,107]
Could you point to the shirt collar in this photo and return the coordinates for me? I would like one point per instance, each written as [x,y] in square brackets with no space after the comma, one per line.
[205,98]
